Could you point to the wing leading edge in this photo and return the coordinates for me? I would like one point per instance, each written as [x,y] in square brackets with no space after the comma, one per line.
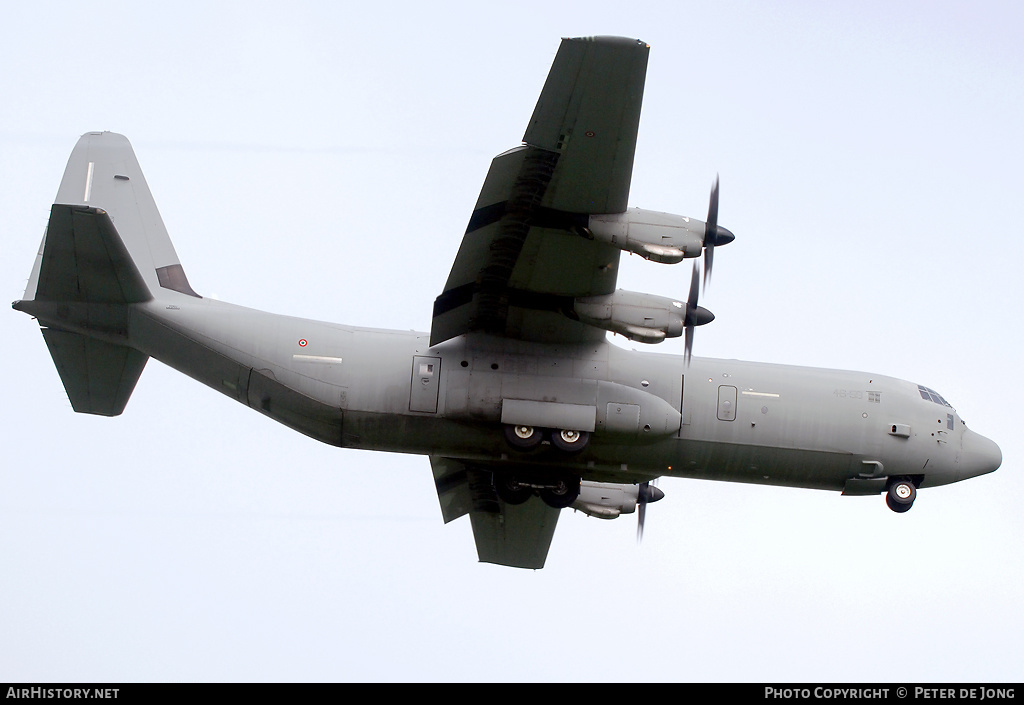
[523,260]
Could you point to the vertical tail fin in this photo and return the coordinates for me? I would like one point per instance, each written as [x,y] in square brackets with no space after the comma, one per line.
[104,250]
[103,173]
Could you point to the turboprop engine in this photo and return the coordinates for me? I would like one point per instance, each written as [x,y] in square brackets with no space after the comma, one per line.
[645,318]
[642,317]
[607,500]
[659,237]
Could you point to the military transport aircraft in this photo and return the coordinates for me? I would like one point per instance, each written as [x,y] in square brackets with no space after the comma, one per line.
[515,394]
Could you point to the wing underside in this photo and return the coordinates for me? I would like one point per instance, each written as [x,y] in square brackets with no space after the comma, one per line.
[524,258]
[514,535]
[528,255]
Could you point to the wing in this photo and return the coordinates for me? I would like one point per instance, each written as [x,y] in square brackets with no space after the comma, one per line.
[524,259]
[513,535]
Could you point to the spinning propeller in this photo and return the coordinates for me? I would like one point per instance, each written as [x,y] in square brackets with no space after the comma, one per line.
[714,234]
[648,493]
[695,315]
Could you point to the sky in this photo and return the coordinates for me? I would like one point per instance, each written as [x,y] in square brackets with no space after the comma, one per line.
[322,160]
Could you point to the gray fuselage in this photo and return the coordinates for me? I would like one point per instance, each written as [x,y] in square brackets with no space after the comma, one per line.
[651,416]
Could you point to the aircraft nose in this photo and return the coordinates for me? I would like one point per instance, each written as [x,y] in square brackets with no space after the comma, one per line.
[978,456]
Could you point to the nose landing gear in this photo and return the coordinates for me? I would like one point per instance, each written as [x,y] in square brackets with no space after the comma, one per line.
[901,495]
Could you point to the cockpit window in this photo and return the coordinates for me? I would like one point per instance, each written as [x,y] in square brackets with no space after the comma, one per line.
[932,395]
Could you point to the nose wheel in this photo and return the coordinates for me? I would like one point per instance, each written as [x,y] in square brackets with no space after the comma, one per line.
[901,495]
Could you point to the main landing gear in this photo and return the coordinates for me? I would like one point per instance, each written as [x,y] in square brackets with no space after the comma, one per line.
[559,491]
[901,495]
[525,438]
[556,489]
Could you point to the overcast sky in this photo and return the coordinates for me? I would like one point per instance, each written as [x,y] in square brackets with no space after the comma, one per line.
[322,160]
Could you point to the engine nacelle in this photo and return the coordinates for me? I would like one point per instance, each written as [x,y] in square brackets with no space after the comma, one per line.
[645,318]
[659,237]
[606,500]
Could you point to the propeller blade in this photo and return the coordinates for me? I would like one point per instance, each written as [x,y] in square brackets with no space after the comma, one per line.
[648,493]
[712,223]
[691,308]
[691,300]
[709,261]
[711,233]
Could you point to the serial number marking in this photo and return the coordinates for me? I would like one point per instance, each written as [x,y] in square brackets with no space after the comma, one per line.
[872,397]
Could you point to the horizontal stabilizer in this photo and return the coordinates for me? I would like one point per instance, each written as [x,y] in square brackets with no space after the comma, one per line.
[99,377]
[84,260]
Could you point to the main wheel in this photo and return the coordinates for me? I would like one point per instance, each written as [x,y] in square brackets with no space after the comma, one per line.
[570,441]
[509,490]
[523,437]
[901,496]
[562,494]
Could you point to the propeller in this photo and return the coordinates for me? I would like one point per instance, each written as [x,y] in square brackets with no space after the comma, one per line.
[713,233]
[648,493]
[695,315]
